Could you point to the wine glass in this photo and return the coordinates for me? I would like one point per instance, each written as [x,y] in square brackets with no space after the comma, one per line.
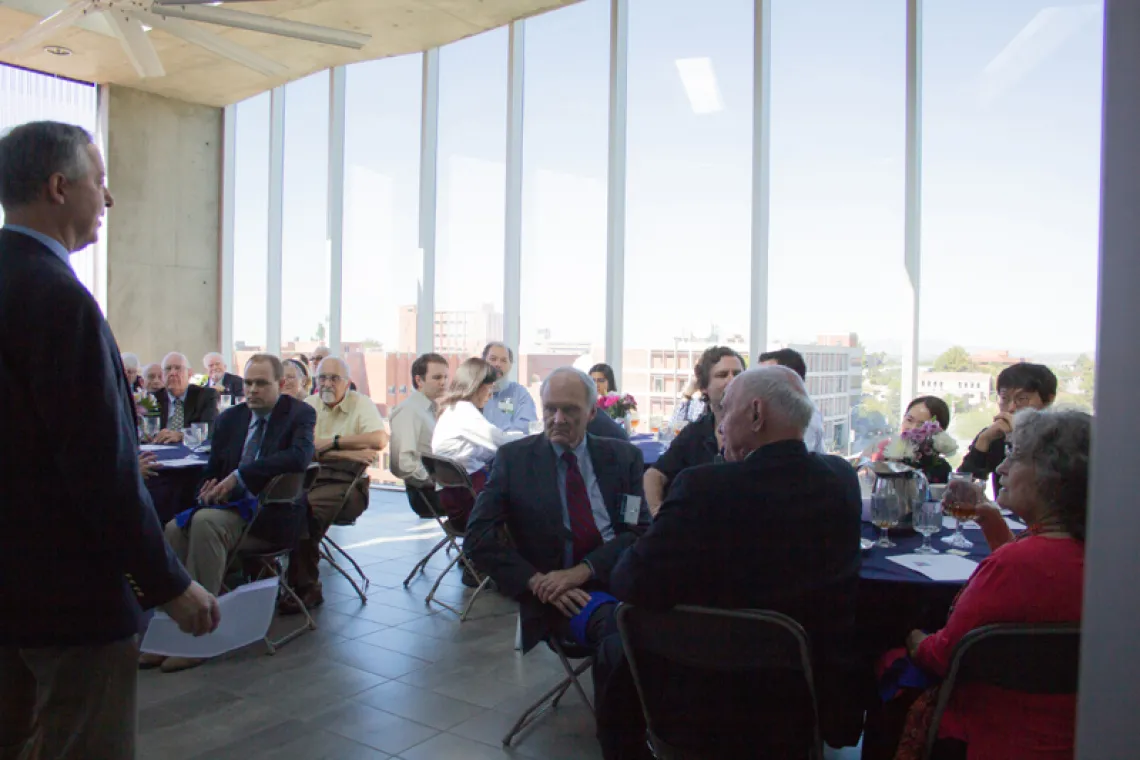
[886,511]
[927,521]
[961,502]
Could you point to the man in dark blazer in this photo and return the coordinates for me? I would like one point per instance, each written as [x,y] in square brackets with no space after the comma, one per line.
[572,504]
[774,528]
[81,551]
[182,404]
[270,434]
[221,381]
[603,426]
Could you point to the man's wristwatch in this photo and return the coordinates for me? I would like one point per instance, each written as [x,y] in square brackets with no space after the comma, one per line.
[336,443]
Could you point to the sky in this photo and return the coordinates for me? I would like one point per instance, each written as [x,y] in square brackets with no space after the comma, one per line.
[1010,166]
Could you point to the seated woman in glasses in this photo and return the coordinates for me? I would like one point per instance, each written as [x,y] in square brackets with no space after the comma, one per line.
[297,381]
[462,433]
[1036,578]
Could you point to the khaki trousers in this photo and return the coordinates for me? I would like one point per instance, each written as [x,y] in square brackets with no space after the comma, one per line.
[206,542]
[69,703]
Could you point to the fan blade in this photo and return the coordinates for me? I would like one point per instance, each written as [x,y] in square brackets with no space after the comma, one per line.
[47,27]
[215,44]
[136,44]
[257,23]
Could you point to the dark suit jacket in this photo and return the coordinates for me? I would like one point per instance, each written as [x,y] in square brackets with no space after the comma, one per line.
[232,385]
[201,405]
[80,545]
[604,426]
[779,531]
[522,495]
[286,447]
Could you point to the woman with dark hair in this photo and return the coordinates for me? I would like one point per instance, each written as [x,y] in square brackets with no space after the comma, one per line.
[1036,578]
[462,433]
[603,377]
[923,440]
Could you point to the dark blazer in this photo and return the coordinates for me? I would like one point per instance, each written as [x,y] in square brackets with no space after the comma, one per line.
[778,531]
[201,405]
[984,464]
[604,426]
[522,495]
[286,447]
[232,385]
[81,549]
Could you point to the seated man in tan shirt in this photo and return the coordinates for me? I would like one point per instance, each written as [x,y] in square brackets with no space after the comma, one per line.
[348,438]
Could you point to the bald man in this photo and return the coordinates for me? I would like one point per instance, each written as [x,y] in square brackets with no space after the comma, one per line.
[775,527]
[349,436]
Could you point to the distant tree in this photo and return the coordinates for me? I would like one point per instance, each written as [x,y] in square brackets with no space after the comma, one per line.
[320,336]
[954,359]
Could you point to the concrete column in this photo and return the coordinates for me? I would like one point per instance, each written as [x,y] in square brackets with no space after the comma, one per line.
[164,164]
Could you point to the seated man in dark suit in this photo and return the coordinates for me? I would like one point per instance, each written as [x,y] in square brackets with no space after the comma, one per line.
[572,504]
[603,426]
[774,528]
[182,404]
[270,434]
[223,382]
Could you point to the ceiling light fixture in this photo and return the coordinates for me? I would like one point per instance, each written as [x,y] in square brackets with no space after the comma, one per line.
[57,50]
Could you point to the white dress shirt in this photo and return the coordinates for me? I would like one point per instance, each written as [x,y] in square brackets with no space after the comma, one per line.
[462,433]
[813,436]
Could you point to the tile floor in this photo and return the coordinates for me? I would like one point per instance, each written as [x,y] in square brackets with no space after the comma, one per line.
[389,679]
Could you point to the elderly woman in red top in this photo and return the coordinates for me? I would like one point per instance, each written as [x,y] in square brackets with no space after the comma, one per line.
[1036,578]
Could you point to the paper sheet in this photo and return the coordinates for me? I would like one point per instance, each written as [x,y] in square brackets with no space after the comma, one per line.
[246,614]
[155,447]
[184,462]
[937,567]
[948,522]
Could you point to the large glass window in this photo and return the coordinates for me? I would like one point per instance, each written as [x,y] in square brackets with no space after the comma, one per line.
[382,265]
[1011,147]
[837,287]
[251,226]
[471,193]
[305,249]
[688,197]
[565,148]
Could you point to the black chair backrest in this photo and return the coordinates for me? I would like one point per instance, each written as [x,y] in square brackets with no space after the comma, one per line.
[1030,658]
[285,488]
[728,641]
[447,473]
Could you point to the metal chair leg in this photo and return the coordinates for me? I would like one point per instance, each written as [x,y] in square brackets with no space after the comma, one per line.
[272,645]
[422,564]
[574,677]
[359,591]
[364,577]
[541,705]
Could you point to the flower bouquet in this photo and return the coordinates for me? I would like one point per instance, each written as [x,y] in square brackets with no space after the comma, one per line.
[924,447]
[199,380]
[145,404]
[616,405]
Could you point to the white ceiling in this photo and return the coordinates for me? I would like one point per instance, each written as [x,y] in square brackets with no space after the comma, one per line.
[199,76]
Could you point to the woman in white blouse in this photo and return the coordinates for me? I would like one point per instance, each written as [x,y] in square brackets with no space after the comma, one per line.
[462,433]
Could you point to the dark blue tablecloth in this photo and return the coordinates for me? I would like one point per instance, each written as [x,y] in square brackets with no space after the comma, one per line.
[651,449]
[172,489]
[876,566]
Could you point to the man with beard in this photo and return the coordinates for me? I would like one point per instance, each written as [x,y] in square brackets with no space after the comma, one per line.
[510,407]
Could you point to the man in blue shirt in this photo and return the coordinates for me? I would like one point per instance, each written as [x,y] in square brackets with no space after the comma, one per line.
[511,407]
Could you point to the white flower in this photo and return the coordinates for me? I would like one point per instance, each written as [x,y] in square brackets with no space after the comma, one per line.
[945,444]
[899,449]
[199,379]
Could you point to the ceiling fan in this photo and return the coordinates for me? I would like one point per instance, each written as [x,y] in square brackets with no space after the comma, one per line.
[129,21]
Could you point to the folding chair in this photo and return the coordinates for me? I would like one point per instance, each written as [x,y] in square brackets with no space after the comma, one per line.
[447,473]
[728,641]
[566,650]
[328,545]
[1027,658]
[282,492]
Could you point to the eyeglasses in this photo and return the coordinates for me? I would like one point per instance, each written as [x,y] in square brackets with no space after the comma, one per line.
[334,379]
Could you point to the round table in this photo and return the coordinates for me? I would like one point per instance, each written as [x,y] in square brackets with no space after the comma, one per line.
[173,488]
[651,448]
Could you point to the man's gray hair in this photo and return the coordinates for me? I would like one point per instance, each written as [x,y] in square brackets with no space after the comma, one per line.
[179,355]
[212,354]
[1057,442]
[31,153]
[781,391]
[587,381]
[130,361]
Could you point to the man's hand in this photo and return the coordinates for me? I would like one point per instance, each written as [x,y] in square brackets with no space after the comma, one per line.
[219,493]
[553,585]
[690,387]
[148,465]
[1002,426]
[206,488]
[195,610]
[168,436]
[572,602]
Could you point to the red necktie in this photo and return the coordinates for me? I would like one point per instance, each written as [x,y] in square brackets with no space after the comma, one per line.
[582,525]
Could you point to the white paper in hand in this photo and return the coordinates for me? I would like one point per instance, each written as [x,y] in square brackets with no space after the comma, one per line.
[937,567]
[246,614]
[155,447]
[184,462]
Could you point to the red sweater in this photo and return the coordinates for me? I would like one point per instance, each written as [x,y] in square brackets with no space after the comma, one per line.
[1034,580]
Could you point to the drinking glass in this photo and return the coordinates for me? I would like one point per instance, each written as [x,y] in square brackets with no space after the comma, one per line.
[927,521]
[225,401]
[886,511]
[201,431]
[961,502]
[190,438]
[150,425]
[634,420]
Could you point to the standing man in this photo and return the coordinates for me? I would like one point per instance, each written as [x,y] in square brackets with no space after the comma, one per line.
[220,380]
[510,407]
[182,404]
[413,423]
[68,633]
[699,442]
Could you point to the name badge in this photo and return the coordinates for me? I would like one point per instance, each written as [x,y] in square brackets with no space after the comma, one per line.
[507,406]
[632,509]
